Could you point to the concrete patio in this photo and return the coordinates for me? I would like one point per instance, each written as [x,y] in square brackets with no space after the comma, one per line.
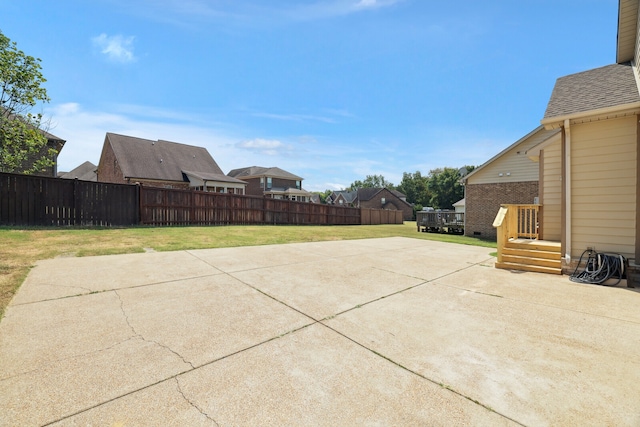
[393,331]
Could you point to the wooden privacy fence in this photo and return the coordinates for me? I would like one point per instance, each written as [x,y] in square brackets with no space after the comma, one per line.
[160,206]
[380,216]
[40,201]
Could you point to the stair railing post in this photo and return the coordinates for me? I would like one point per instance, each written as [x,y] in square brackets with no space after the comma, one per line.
[501,223]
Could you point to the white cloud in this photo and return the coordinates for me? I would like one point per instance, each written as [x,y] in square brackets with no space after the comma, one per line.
[329,9]
[117,48]
[186,13]
[85,130]
[270,147]
[323,162]
[295,117]
[374,4]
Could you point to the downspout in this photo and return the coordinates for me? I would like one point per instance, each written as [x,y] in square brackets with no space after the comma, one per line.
[567,189]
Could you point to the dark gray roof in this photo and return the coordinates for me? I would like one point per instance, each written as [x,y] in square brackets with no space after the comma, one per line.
[52,137]
[256,171]
[349,196]
[206,176]
[367,193]
[399,194]
[162,160]
[603,87]
[84,172]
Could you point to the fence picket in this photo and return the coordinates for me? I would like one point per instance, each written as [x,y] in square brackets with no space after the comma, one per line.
[27,200]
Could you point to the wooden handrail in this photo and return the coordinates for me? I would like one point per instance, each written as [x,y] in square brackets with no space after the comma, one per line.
[515,222]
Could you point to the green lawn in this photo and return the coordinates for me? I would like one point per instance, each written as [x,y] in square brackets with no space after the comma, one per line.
[20,248]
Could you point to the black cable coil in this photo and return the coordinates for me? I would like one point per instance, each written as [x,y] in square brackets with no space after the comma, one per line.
[599,268]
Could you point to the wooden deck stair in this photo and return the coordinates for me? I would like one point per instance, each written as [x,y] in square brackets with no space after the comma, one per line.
[531,255]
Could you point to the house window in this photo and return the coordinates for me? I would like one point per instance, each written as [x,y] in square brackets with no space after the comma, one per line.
[262,182]
[298,185]
[268,182]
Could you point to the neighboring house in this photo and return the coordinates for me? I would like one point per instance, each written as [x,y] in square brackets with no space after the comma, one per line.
[384,198]
[84,172]
[128,160]
[343,198]
[508,178]
[373,198]
[52,142]
[459,206]
[271,182]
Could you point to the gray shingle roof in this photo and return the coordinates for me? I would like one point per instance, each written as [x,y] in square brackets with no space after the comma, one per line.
[84,172]
[206,176]
[162,160]
[603,87]
[367,193]
[349,196]
[256,171]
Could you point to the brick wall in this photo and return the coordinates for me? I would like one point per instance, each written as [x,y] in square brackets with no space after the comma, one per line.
[43,152]
[482,202]
[392,202]
[253,187]
[108,168]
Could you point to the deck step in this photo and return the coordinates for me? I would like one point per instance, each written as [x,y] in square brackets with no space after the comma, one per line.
[531,253]
[525,267]
[534,245]
[533,261]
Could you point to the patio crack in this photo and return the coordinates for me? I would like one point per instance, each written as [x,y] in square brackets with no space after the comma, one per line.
[139,335]
[424,377]
[196,407]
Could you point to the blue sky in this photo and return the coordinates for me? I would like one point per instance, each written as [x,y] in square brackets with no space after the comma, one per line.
[331,90]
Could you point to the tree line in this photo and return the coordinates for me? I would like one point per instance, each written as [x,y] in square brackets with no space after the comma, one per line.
[440,189]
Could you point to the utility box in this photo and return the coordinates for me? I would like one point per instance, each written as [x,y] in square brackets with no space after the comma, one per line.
[633,273]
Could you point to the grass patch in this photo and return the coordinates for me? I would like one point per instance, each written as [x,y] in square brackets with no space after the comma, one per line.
[21,248]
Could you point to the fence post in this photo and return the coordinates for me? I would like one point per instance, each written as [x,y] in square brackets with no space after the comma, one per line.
[138,207]
[75,202]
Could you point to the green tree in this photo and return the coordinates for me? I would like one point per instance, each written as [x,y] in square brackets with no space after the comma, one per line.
[415,187]
[323,195]
[371,181]
[445,187]
[23,146]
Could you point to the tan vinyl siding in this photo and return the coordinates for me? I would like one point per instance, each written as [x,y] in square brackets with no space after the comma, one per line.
[603,174]
[519,167]
[551,198]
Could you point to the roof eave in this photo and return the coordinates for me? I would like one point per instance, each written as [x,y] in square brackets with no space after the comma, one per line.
[627,30]
[592,115]
[500,154]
